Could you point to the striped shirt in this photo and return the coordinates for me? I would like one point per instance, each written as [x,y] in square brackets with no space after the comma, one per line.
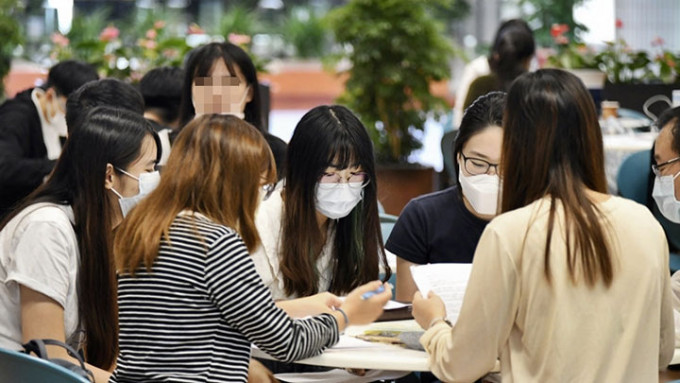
[194,316]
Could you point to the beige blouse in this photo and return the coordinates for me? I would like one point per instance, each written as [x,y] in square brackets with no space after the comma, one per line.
[561,332]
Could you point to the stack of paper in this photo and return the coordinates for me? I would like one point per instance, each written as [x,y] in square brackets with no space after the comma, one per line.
[448,280]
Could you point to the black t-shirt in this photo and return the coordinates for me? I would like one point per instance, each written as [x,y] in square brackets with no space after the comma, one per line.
[436,228]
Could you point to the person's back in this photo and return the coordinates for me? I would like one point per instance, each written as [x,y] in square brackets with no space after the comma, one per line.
[571,332]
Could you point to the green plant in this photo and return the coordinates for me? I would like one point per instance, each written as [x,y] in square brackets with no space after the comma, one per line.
[624,65]
[306,31]
[543,14]
[570,54]
[11,37]
[396,50]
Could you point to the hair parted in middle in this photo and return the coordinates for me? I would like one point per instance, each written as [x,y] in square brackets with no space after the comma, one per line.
[329,136]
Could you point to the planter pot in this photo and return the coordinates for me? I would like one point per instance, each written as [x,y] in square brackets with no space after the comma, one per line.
[398,184]
[592,78]
[633,96]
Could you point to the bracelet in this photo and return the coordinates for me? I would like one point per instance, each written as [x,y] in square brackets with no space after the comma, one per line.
[437,320]
[344,315]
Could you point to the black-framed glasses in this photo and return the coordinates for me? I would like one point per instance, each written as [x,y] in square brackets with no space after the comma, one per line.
[477,166]
[657,168]
[354,178]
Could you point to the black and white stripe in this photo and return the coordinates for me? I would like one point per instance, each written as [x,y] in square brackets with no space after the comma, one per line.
[193,317]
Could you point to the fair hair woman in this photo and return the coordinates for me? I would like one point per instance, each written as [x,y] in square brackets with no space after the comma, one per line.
[190,301]
[56,266]
[568,283]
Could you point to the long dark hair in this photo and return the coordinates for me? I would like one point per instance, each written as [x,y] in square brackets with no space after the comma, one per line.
[552,146]
[484,112]
[104,136]
[329,135]
[200,62]
[513,45]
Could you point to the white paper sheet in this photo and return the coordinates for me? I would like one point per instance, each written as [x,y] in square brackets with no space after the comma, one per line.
[339,376]
[448,280]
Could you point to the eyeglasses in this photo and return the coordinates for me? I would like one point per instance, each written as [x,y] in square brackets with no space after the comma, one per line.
[657,168]
[477,166]
[354,178]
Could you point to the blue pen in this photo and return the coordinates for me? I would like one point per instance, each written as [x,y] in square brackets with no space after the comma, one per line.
[369,294]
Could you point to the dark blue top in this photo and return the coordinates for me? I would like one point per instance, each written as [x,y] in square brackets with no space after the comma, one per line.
[436,228]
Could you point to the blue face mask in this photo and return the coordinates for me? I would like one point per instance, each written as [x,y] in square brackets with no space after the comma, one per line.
[147,183]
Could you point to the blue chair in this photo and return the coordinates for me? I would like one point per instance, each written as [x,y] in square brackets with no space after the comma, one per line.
[19,367]
[447,153]
[387,222]
[632,180]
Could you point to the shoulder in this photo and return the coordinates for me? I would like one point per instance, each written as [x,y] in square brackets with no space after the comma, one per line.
[21,106]
[437,203]
[48,213]
[195,227]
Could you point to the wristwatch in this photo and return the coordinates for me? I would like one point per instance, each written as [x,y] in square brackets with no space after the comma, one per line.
[439,319]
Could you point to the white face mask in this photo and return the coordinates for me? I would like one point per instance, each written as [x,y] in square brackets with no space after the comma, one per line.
[481,191]
[147,183]
[336,200]
[664,196]
[58,123]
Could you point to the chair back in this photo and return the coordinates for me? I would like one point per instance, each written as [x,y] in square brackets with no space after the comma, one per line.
[633,176]
[387,222]
[19,367]
[447,153]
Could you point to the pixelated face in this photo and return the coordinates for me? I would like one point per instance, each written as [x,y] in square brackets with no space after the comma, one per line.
[221,93]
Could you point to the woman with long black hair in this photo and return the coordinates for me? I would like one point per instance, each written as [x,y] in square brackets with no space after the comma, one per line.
[56,265]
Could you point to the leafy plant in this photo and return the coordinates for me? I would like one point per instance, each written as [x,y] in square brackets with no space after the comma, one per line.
[306,31]
[543,14]
[11,37]
[570,54]
[397,50]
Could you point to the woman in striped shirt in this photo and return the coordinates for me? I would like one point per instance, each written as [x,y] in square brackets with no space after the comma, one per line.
[190,301]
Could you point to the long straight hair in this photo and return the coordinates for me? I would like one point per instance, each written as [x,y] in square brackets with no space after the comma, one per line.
[216,168]
[104,136]
[552,146]
[200,63]
[325,136]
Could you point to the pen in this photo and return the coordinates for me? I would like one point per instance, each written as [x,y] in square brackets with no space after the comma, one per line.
[369,294]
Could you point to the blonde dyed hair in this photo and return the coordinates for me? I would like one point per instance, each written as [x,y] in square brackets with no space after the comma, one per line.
[216,168]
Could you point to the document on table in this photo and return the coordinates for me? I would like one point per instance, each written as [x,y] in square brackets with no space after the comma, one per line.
[448,280]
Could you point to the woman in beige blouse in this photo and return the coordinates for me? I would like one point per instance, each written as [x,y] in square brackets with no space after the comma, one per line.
[569,284]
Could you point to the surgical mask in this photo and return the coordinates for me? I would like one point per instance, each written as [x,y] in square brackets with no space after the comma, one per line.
[147,183]
[664,196]
[58,123]
[336,200]
[481,191]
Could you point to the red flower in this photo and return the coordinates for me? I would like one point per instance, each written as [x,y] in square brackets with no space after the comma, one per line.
[558,30]
[60,40]
[238,39]
[160,24]
[109,33]
[619,24]
[194,29]
[151,34]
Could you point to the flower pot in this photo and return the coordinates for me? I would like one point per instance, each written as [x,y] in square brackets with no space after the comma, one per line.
[399,183]
[592,78]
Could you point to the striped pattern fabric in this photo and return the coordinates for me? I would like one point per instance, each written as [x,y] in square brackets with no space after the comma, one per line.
[192,318]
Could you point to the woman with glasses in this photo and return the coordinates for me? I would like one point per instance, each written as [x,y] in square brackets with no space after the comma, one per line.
[568,284]
[322,232]
[445,226]
[190,301]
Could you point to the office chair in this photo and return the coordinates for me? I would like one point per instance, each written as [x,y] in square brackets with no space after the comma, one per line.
[19,367]
[632,180]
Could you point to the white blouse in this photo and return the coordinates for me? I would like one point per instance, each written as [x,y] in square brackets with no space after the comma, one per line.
[39,250]
[268,221]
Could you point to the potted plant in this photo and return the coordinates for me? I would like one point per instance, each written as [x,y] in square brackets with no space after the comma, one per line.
[574,56]
[396,51]
[633,77]
[11,37]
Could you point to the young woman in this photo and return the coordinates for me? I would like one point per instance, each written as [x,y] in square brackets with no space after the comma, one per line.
[445,226]
[563,286]
[56,266]
[221,78]
[510,56]
[321,232]
[190,301]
